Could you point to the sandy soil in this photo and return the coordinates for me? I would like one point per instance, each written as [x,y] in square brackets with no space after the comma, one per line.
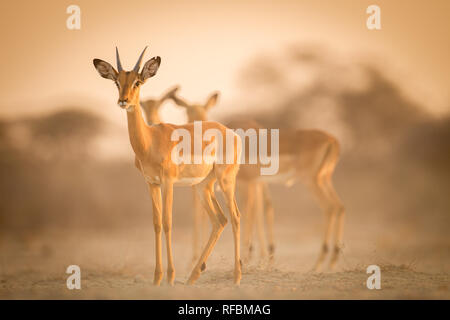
[118,264]
[116,267]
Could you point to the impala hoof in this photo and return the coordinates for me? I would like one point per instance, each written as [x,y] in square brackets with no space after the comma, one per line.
[237,279]
[157,278]
[194,276]
[171,277]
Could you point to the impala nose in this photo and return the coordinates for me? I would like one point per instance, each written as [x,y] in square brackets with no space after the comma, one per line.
[123,103]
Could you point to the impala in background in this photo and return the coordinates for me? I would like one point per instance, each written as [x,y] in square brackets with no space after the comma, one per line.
[309,156]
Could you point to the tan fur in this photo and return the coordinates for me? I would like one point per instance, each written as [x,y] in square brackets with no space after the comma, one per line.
[151,107]
[152,146]
[197,112]
[309,156]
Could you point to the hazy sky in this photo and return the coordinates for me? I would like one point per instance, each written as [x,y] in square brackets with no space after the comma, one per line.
[203,45]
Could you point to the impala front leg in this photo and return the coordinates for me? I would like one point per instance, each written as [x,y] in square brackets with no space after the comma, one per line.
[249,221]
[155,192]
[269,214]
[167,224]
[258,218]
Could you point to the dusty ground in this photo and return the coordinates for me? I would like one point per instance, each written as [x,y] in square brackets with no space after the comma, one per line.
[119,263]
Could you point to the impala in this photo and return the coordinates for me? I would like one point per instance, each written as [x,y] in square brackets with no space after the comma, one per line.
[197,112]
[153,147]
[309,156]
[150,107]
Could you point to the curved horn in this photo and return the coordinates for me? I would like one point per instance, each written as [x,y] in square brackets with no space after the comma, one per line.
[138,63]
[119,65]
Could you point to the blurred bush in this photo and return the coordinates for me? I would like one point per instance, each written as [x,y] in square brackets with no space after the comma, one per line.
[49,177]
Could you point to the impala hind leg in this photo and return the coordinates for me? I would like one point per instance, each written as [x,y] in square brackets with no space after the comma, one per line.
[199,230]
[155,193]
[340,214]
[227,183]
[318,185]
[338,207]
[218,220]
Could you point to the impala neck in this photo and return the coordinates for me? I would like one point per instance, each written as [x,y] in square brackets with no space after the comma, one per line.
[138,130]
[153,116]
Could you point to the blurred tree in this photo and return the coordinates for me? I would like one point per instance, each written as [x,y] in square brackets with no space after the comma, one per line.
[395,154]
[358,103]
[64,134]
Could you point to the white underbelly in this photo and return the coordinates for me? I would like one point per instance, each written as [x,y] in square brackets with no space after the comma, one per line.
[188,181]
[152,179]
[286,178]
[181,182]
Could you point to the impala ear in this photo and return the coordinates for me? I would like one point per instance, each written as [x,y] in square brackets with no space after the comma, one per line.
[105,70]
[212,101]
[150,68]
[172,92]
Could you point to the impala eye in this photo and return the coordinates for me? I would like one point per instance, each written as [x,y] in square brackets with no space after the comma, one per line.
[137,83]
[117,85]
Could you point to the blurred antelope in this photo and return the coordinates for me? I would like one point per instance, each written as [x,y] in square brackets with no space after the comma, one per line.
[197,112]
[151,107]
[153,147]
[309,156]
